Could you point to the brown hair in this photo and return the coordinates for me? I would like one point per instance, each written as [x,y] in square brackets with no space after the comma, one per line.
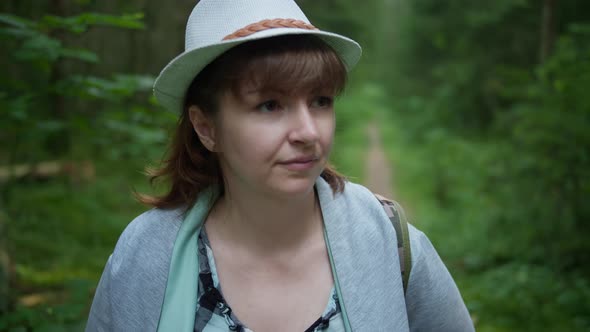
[294,63]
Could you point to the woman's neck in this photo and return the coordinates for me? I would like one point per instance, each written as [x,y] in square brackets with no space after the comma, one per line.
[266,223]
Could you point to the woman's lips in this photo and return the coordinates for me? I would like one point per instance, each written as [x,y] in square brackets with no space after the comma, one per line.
[299,164]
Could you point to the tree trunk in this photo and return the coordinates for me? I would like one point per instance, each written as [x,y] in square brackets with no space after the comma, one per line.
[59,142]
[6,271]
[547,30]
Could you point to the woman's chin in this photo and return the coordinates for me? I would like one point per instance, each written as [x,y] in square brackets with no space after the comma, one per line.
[294,187]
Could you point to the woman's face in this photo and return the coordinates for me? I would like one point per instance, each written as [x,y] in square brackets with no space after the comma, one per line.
[273,142]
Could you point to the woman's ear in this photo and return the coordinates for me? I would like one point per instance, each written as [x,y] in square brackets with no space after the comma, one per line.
[203,126]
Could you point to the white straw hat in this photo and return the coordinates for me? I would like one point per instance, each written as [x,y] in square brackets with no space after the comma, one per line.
[215,26]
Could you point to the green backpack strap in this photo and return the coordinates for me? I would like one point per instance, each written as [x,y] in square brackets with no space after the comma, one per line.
[400,222]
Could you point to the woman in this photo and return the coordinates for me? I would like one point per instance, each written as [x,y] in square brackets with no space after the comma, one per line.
[258,232]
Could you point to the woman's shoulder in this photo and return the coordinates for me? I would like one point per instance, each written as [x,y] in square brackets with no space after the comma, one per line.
[152,221]
[131,289]
[371,203]
[353,195]
[356,190]
[150,234]
[433,299]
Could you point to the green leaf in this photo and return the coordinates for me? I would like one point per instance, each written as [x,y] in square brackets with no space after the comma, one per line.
[16,21]
[17,32]
[81,23]
[91,87]
[51,125]
[136,82]
[18,107]
[79,54]
[40,47]
[129,21]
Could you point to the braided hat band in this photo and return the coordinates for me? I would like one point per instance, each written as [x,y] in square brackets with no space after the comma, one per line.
[269,24]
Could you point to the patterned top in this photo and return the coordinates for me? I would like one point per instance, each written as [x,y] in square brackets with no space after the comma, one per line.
[213,312]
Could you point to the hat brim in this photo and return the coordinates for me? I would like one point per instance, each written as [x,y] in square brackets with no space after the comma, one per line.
[174,80]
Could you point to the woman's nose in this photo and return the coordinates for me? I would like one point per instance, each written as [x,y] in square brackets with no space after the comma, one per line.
[304,126]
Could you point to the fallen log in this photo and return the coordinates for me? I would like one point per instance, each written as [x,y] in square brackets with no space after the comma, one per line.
[76,170]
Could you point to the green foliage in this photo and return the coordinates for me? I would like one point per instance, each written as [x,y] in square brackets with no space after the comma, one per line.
[494,146]
[61,237]
[38,46]
[40,94]
[550,133]
[520,127]
[349,19]
[354,110]
[76,24]
[81,23]
[508,295]
[59,231]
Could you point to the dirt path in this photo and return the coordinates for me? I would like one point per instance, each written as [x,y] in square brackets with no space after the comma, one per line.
[378,174]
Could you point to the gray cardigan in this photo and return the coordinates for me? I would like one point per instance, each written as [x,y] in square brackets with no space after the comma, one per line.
[363,252]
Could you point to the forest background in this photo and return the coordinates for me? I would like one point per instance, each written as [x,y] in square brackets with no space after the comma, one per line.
[483,109]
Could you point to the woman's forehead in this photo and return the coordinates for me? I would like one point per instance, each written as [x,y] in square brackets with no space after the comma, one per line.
[288,80]
[262,89]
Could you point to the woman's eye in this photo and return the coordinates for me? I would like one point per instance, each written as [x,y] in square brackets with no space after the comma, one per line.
[269,106]
[323,102]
